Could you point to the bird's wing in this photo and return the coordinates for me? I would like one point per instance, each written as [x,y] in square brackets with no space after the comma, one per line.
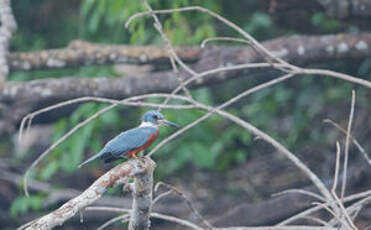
[129,140]
[123,143]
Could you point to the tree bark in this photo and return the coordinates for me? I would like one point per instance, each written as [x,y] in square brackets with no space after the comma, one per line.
[116,176]
[82,53]
[20,98]
[142,198]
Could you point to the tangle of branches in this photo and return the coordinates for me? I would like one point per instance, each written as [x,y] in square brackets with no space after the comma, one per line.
[141,170]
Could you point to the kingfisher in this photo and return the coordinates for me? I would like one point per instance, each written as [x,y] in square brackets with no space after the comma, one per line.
[129,143]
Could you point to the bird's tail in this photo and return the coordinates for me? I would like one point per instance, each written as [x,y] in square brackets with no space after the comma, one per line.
[91,158]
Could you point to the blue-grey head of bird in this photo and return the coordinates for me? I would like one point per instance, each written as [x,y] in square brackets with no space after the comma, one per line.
[155,118]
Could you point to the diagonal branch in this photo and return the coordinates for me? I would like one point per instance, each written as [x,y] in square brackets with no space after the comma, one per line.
[189,203]
[355,142]
[114,177]
[171,53]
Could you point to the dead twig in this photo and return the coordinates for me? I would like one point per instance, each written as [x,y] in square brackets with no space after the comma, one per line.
[336,174]
[171,52]
[344,214]
[124,218]
[162,195]
[300,191]
[204,42]
[194,226]
[346,152]
[354,140]
[222,19]
[343,222]
[153,215]
[132,101]
[189,203]
[363,195]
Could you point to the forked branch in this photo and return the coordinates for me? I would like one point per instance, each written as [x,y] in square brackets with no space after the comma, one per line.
[142,198]
[116,176]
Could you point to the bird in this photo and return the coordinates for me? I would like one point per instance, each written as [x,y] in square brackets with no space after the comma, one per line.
[129,143]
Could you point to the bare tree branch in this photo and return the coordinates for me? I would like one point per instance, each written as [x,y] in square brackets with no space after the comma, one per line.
[114,177]
[359,204]
[322,188]
[346,152]
[257,45]
[142,198]
[187,201]
[337,164]
[279,228]
[355,142]
[123,219]
[193,226]
[171,53]
[344,215]
[363,195]
[153,215]
[300,191]
[292,70]
[20,98]
[82,53]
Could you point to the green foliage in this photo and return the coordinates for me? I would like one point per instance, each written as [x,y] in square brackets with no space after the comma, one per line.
[23,204]
[322,22]
[49,170]
[259,25]
[88,139]
[107,17]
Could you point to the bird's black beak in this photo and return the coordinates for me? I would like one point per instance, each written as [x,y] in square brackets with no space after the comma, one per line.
[169,123]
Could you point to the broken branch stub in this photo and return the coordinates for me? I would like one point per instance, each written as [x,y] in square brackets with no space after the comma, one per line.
[142,197]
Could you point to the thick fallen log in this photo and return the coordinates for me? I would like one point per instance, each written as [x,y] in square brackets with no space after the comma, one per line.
[20,98]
